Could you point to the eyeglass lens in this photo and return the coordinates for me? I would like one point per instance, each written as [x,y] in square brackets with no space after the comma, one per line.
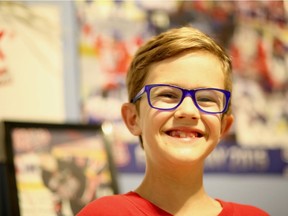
[168,97]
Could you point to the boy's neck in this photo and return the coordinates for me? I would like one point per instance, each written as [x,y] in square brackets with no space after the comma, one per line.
[178,192]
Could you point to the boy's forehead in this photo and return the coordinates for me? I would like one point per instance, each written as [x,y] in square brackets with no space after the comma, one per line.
[183,55]
[196,67]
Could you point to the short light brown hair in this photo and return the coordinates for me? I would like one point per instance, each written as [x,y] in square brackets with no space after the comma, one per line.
[170,44]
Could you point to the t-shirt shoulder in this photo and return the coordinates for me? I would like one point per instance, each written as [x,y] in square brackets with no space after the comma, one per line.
[237,209]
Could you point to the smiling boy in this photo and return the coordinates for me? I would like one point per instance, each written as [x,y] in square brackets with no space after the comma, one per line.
[179,88]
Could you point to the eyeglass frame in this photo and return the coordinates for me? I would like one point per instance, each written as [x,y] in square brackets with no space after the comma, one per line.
[185,92]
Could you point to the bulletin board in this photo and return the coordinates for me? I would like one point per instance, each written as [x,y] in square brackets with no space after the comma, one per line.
[254,33]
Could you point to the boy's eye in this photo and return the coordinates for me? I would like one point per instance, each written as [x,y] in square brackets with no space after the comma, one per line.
[166,94]
[206,99]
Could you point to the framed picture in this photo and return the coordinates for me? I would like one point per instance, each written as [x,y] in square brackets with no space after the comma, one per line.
[56,169]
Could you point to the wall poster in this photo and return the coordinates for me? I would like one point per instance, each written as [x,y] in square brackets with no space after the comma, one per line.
[255,33]
[56,169]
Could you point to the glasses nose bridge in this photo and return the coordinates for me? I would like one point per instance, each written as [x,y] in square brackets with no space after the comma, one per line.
[188,108]
[188,93]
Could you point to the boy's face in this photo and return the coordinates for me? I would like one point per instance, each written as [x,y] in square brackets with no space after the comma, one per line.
[184,134]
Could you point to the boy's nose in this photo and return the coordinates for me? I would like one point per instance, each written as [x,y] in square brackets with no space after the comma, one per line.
[187,109]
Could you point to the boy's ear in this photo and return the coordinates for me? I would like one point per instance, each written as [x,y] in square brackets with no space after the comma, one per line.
[130,117]
[227,122]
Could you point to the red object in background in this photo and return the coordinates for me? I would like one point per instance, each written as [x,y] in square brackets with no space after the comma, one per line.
[1,33]
[122,58]
[3,69]
[261,63]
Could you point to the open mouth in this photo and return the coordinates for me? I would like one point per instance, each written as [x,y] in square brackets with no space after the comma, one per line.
[184,134]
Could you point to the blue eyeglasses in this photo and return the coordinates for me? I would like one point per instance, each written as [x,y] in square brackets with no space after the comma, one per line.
[168,97]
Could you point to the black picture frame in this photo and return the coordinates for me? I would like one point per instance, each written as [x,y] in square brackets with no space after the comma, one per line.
[56,169]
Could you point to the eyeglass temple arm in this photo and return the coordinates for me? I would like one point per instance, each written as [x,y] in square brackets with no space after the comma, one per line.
[139,95]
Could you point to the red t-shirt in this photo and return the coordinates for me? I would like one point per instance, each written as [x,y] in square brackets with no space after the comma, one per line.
[131,204]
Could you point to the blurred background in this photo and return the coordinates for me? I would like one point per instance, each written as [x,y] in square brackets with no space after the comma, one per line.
[66,61]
